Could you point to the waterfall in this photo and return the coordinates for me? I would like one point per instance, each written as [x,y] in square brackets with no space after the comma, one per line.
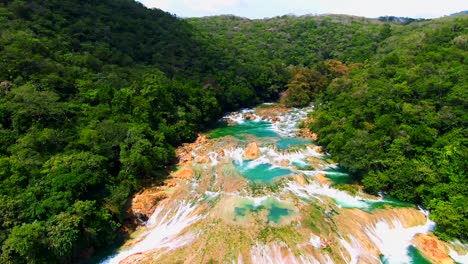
[164,229]
[393,239]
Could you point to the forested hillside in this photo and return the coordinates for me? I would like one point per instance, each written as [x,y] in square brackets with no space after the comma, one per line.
[95,96]
[391,98]
[399,123]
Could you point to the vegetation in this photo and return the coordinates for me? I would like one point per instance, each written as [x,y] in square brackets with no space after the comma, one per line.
[95,96]
[400,123]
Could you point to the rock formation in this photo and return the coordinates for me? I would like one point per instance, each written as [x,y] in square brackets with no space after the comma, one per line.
[252,151]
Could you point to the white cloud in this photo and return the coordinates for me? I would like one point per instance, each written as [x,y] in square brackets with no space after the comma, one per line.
[161,4]
[212,5]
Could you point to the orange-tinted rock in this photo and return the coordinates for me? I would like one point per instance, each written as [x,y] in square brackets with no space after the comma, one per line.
[319,150]
[202,159]
[184,173]
[144,203]
[314,136]
[284,163]
[220,152]
[276,119]
[322,179]
[135,258]
[170,183]
[252,151]
[432,249]
[185,158]
[249,116]
[201,140]
[300,179]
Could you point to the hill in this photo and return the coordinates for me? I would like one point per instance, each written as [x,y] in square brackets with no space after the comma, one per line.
[399,123]
[95,96]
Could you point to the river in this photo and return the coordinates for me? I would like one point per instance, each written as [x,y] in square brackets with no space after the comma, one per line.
[253,191]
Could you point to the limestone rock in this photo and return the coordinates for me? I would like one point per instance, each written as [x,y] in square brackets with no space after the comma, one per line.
[144,203]
[170,183]
[319,150]
[250,116]
[185,173]
[432,249]
[135,258]
[322,179]
[314,136]
[284,163]
[202,159]
[300,179]
[252,151]
[220,152]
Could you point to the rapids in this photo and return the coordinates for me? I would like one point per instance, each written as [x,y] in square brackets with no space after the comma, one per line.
[256,192]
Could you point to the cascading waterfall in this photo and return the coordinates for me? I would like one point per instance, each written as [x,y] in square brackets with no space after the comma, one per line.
[393,239]
[164,228]
[272,208]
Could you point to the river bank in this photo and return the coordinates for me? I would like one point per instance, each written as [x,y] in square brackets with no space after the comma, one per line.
[253,191]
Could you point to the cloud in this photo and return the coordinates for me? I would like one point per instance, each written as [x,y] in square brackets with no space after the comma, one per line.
[161,4]
[213,5]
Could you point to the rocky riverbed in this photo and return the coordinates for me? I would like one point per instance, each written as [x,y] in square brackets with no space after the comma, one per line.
[257,189]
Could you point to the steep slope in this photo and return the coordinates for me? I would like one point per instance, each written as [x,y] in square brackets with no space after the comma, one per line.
[400,123]
[292,40]
[94,96]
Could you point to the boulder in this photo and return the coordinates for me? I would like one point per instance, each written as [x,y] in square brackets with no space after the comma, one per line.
[432,249]
[314,136]
[250,116]
[319,150]
[144,203]
[252,151]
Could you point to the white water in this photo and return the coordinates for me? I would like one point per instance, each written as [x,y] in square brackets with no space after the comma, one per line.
[277,253]
[459,258]
[167,225]
[288,125]
[164,229]
[315,241]
[393,239]
[239,117]
[341,198]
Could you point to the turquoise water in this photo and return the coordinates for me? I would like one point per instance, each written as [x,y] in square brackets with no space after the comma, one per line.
[338,176]
[416,256]
[276,213]
[258,129]
[302,165]
[286,143]
[262,173]
[276,210]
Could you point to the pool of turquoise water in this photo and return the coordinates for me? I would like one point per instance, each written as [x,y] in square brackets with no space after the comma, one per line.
[286,143]
[262,173]
[276,210]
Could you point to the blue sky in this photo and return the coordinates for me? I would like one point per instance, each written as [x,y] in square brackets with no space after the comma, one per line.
[271,8]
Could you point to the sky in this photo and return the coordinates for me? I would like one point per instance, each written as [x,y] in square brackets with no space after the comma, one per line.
[271,8]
